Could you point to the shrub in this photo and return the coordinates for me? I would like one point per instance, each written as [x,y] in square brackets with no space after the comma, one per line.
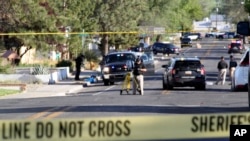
[5,69]
[65,63]
[39,69]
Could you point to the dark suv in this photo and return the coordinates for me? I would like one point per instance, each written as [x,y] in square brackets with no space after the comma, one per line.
[165,48]
[235,47]
[184,72]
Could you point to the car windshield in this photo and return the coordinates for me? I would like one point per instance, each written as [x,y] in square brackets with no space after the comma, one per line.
[170,45]
[119,57]
[144,57]
[150,55]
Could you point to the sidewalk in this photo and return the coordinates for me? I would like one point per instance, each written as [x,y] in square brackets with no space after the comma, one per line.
[50,90]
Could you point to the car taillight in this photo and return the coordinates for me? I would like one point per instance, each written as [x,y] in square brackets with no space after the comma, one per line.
[125,67]
[229,46]
[240,47]
[173,71]
[202,71]
[243,64]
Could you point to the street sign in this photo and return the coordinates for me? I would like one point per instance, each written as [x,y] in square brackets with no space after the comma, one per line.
[243,28]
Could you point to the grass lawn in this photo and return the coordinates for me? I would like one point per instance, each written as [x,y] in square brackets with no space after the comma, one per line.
[8,92]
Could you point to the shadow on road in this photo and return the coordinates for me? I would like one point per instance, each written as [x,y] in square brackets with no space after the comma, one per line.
[132,109]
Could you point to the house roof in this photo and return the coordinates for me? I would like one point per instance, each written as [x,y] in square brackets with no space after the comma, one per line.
[10,55]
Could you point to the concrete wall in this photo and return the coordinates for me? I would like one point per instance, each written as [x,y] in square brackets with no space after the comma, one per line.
[24,75]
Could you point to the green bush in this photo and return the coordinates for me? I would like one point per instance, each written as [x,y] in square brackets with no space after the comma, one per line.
[65,63]
[5,69]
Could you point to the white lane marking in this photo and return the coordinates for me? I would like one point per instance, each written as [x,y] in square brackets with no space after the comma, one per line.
[104,90]
[209,83]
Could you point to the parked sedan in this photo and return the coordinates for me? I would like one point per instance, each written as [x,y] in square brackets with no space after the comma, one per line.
[240,77]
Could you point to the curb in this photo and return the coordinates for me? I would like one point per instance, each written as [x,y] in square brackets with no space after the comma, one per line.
[72,91]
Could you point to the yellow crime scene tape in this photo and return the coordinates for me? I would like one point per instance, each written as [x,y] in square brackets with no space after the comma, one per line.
[70,33]
[167,127]
[91,33]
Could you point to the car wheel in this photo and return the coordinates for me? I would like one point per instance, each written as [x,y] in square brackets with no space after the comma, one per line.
[112,83]
[169,87]
[155,53]
[106,82]
[163,84]
[229,52]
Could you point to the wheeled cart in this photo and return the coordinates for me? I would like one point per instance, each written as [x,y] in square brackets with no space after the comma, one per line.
[126,85]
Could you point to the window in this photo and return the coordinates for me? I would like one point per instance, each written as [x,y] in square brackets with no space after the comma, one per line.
[192,64]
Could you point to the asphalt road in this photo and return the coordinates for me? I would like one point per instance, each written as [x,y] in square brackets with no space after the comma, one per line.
[105,101]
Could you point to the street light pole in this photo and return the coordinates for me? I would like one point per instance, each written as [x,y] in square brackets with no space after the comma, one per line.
[216,23]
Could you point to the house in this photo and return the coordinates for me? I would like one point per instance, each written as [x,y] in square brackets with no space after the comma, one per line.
[215,21]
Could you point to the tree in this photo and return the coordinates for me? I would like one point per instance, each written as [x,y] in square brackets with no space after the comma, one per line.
[104,16]
[42,16]
[18,18]
[76,15]
[246,4]
[234,10]
[173,14]
[116,16]
[91,57]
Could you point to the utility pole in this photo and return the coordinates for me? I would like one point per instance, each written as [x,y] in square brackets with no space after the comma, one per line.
[216,14]
[216,22]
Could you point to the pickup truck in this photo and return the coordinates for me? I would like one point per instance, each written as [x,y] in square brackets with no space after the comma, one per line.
[116,65]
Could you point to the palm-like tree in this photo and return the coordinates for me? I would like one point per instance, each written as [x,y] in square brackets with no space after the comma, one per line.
[90,56]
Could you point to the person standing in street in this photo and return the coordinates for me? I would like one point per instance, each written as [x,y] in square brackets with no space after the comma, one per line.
[138,80]
[79,61]
[232,65]
[222,68]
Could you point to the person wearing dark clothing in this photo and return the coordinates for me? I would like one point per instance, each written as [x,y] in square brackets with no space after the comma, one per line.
[222,68]
[79,61]
[102,63]
[138,80]
[232,65]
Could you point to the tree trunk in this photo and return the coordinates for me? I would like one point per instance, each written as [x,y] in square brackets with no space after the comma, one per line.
[104,44]
[90,65]
[158,38]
